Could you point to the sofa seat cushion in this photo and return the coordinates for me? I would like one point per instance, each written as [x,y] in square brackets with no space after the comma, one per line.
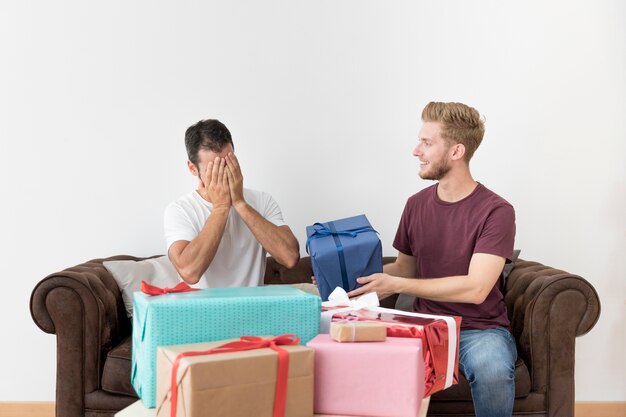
[462,392]
[116,377]
[116,373]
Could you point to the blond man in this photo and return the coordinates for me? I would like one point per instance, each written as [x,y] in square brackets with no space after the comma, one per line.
[453,241]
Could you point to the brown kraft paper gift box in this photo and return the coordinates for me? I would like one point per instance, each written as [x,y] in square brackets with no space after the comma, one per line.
[355,331]
[234,383]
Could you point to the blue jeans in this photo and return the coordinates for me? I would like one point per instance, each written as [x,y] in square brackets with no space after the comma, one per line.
[487,359]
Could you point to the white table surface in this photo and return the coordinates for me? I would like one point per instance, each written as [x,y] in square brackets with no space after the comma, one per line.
[137,409]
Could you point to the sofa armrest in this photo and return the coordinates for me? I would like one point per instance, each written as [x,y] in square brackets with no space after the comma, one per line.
[548,309]
[83,306]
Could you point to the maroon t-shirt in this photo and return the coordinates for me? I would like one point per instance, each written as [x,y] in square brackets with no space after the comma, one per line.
[443,237]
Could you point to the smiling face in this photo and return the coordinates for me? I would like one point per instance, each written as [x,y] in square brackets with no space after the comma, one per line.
[433,152]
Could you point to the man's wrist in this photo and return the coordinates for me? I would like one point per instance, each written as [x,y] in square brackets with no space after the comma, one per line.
[221,210]
[400,285]
[240,205]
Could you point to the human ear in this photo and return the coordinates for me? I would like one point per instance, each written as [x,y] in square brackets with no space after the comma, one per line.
[192,168]
[458,151]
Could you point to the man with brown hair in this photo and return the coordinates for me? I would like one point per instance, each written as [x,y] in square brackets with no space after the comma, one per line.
[219,234]
[453,241]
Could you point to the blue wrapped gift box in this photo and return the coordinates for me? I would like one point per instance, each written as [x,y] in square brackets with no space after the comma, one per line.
[214,314]
[341,251]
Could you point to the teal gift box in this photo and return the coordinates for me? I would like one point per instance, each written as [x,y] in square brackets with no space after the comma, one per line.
[214,314]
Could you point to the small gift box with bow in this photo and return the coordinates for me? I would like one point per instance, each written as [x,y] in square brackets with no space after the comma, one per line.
[251,376]
[342,251]
[377,379]
[357,331]
[178,316]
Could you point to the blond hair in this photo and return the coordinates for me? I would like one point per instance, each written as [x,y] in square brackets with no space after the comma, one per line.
[459,123]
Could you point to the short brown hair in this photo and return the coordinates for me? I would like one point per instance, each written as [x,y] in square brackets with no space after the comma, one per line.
[460,123]
[211,135]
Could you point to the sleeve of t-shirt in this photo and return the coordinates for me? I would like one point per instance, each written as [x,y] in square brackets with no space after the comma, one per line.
[177,225]
[402,241]
[271,211]
[498,234]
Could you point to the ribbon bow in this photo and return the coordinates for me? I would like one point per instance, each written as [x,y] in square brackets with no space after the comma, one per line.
[247,343]
[154,290]
[323,231]
[339,298]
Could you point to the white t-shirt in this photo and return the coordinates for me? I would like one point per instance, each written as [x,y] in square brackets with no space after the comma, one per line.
[240,258]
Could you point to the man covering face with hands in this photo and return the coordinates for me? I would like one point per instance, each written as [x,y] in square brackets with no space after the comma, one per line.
[219,234]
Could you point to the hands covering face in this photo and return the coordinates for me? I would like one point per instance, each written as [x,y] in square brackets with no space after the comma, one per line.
[222,182]
[235,179]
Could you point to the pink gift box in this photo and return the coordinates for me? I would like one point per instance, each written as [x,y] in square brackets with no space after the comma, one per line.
[373,379]
[435,336]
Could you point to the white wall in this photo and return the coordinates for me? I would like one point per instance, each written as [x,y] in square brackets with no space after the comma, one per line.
[323,99]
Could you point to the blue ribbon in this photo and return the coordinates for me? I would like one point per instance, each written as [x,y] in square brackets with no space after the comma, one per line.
[324,231]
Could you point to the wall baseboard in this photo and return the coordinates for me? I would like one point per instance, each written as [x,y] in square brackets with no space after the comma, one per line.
[27,409]
[46,409]
[600,408]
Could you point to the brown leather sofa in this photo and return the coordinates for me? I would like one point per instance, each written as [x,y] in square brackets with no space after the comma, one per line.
[83,306]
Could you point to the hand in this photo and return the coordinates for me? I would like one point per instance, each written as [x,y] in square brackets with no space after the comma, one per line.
[313,280]
[214,184]
[235,179]
[382,284]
